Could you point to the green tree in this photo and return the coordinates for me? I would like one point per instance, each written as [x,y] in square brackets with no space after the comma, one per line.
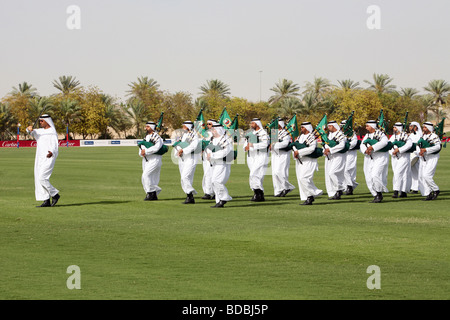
[138,114]
[439,91]
[284,89]
[66,84]
[8,124]
[215,88]
[349,84]
[381,83]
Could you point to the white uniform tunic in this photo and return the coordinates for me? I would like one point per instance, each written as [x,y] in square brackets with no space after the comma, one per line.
[220,170]
[428,164]
[207,185]
[281,161]
[335,166]
[350,163]
[401,165]
[376,165]
[151,169]
[46,140]
[415,163]
[188,162]
[258,160]
[305,170]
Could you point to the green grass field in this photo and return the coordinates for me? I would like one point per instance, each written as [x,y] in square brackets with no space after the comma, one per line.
[127,248]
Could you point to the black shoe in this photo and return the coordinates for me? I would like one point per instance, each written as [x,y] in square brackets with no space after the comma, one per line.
[336,196]
[287,191]
[189,199]
[153,196]
[219,204]
[284,193]
[429,197]
[435,194]
[148,196]
[46,203]
[414,191]
[403,195]
[55,199]
[254,196]
[378,198]
[206,197]
[259,195]
[395,195]
[308,201]
[213,197]
[349,191]
[280,194]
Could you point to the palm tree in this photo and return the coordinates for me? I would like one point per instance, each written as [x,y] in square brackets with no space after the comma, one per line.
[349,84]
[25,90]
[409,92]
[439,90]
[66,84]
[140,88]
[37,105]
[289,106]
[319,87]
[284,89]
[138,113]
[381,83]
[7,122]
[215,88]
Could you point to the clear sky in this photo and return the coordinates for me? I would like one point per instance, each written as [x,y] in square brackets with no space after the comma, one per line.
[184,43]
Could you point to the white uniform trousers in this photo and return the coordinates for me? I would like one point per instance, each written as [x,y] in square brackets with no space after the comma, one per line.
[305,175]
[375,172]
[281,161]
[415,164]
[151,171]
[334,173]
[426,173]
[187,167]
[220,174]
[350,168]
[43,168]
[257,163]
[401,168]
[207,185]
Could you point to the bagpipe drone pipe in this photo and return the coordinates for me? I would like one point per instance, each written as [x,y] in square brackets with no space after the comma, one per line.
[148,144]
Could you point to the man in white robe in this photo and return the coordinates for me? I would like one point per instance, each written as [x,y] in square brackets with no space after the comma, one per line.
[281,160]
[429,157]
[415,134]
[335,162]
[376,161]
[221,161]
[188,156]
[351,163]
[46,154]
[257,159]
[151,163]
[400,161]
[305,165]
[207,185]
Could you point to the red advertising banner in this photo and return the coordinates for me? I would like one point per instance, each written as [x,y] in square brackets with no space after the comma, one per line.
[32,143]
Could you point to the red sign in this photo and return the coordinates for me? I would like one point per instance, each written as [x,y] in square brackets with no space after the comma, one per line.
[32,143]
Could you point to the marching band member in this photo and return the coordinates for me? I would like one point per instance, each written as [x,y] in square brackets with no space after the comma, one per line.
[428,147]
[415,134]
[376,160]
[256,145]
[280,162]
[151,161]
[220,153]
[207,166]
[351,162]
[306,163]
[400,161]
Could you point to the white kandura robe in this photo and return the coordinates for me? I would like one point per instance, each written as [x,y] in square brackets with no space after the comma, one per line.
[258,160]
[376,168]
[46,140]
[207,185]
[281,161]
[305,170]
[220,170]
[335,167]
[427,168]
[401,166]
[151,169]
[415,163]
[187,164]
[350,164]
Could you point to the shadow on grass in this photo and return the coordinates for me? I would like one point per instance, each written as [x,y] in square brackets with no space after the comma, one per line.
[91,203]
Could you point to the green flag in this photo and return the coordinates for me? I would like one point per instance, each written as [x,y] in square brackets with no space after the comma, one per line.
[200,124]
[439,129]
[320,129]
[225,119]
[292,127]
[348,127]
[382,124]
[159,123]
[405,122]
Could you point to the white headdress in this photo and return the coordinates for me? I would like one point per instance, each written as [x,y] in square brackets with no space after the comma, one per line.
[308,126]
[399,126]
[49,120]
[372,123]
[334,124]
[189,124]
[417,125]
[429,126]
[258,122]
[151,124]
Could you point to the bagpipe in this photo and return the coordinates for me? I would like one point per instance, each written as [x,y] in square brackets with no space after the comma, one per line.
[432,140]
[251,137]
[376,138]
[310,139]
[224,141]
[400,141]
[153,139]
[189,138]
